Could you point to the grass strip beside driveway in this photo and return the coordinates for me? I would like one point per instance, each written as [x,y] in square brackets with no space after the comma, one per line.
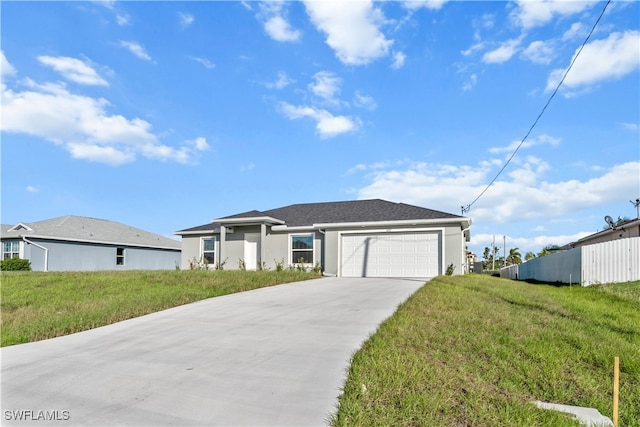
[477,350]
[37,306]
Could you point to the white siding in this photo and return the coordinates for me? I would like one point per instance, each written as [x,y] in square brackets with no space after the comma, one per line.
[611,262]
[608,262]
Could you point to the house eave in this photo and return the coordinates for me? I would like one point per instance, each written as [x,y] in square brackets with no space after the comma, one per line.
[296,228]
[197,232]
[396,223]
[248,221]
[95,242]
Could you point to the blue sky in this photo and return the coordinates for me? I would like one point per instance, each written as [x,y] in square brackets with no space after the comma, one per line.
[166,115]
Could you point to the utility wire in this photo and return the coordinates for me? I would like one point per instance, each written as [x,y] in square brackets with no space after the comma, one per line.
[468,207]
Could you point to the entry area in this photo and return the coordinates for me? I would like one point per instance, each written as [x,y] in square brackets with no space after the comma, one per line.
[414,254]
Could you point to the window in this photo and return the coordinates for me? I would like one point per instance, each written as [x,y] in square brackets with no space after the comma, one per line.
[209,250]
[302,249]
[11,249]
[119,256]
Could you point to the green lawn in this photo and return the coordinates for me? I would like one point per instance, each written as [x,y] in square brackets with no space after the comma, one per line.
[476,351]
[36,306]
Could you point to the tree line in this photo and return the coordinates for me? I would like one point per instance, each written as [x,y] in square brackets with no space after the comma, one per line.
[491,261]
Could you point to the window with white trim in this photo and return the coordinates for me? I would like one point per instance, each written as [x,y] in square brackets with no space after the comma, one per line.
[10,249]
[119,256]
[209,250]
[302,249]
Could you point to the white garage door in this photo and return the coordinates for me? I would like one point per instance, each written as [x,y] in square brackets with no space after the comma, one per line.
[391,255]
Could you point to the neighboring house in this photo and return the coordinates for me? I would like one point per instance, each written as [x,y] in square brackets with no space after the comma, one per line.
[621,230]
[75,243]
[365,238]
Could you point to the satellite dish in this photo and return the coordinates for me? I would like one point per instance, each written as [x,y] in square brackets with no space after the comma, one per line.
[609,221]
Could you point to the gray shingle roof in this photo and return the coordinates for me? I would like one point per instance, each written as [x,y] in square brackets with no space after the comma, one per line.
[352,211]
[308,214]
[210,226]
[91,230]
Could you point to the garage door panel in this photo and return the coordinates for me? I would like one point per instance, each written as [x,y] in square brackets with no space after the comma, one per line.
[391,255]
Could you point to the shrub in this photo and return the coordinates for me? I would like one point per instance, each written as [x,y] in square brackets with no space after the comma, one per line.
[450,269]
[15,264]
[317,268]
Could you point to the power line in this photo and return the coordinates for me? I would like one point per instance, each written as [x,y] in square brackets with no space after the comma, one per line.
[468,207]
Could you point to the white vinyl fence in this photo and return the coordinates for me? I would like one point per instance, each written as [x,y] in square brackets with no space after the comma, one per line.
[608,262]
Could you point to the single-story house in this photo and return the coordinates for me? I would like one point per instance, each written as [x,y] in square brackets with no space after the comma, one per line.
[75,243]
[364,238]
[620,230]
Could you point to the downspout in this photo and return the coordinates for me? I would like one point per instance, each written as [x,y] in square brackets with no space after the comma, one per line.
[46,251]
[464,251]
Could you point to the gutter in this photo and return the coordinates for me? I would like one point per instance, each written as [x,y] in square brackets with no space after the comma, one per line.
[103,242]
[394,223]
[46,251]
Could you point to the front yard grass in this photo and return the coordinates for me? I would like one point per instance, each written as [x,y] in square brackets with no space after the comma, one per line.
[477,351]
[36,306]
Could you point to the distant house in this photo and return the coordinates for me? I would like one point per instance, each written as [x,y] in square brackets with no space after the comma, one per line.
[622,230]
[364,238]
[75,243]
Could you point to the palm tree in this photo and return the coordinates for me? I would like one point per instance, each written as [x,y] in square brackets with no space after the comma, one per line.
[514,257]
[529,255]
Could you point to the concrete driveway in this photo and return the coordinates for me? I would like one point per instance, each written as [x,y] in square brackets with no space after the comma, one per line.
[273,356]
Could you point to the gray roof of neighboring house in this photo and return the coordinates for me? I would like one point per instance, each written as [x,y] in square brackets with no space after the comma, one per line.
[307,214]
[89,230]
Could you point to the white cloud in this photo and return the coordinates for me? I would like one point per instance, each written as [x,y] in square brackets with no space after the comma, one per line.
[248,167]
[281,82]
[503,53]
[327,125]
[279,29]
[122,20]
[470,83]
[604,59]
[83,126]
[326,85]
[186,19]
[6,68]
[629,126]
[205,62]
[517,196]
[530,142]
[427,4]
[364,101]
[109,4]
[577,29]
[200,144]
[352,29]
[136,49]
[32,189]
[529,14]
[539,52]
[398,60]
[273,16]
[74,69]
